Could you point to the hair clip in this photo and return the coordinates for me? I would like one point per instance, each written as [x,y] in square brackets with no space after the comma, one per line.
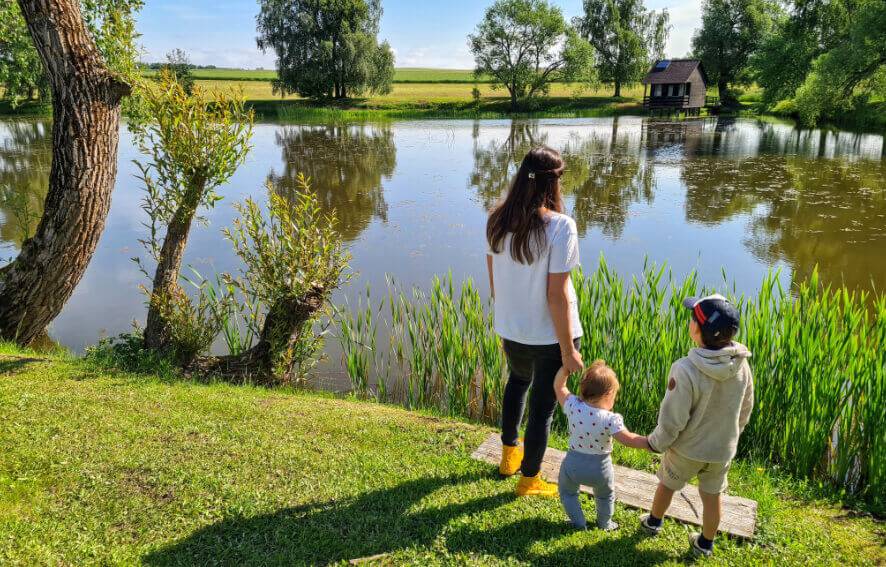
[532,175]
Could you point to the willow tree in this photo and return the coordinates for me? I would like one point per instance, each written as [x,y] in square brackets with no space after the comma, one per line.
[525,45]
[627,38]
[86,100]
[730,33]
[326,48]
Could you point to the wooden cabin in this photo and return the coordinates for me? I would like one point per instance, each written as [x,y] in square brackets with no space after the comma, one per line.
[676,85]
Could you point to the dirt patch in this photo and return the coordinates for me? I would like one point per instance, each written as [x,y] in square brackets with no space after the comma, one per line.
[141,482]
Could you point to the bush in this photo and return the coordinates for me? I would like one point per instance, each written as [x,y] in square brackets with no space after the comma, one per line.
[294,260]
[785,108]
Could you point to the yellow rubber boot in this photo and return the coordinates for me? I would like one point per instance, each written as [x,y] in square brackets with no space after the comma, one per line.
[511,459]
[535,486]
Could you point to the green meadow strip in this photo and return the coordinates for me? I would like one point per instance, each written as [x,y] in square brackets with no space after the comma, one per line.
[819,361]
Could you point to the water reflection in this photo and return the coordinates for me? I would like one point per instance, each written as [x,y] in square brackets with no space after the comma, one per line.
[25,158]
[346,164]
[605,172]
[496,162]
[700,194]
[802,211]
[606,176]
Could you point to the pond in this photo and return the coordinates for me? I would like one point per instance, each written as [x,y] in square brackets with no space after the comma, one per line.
[709,195]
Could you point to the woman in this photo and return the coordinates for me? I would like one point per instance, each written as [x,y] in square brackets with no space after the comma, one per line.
[532,248]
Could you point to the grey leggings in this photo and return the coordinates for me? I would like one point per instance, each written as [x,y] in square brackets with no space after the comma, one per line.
[589,470]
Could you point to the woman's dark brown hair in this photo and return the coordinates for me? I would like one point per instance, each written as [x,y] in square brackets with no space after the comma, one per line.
[536,185]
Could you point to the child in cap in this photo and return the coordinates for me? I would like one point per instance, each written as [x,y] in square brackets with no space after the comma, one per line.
[592,425]
[707,404]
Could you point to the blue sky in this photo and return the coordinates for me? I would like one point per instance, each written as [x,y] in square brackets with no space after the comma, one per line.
[422,34]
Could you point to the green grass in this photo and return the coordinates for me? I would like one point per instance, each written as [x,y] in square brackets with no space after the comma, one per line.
[103,467]
[819,362]
[401,75]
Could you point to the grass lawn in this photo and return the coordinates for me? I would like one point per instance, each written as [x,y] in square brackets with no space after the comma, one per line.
[433,100]
[421,92]
[401,75]
[100,466]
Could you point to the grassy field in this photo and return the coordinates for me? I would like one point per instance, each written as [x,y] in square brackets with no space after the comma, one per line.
[434,100]
[402,75]
[103,467]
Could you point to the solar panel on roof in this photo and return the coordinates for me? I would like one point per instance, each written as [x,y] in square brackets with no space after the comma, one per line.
[662,65]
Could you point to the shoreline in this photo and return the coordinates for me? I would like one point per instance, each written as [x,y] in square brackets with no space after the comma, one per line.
[298,111]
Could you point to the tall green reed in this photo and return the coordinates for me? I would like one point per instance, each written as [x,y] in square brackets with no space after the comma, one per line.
[222,295]
[819,361]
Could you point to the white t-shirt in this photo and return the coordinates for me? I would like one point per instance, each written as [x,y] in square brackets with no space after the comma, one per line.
[521,313]
[591,429]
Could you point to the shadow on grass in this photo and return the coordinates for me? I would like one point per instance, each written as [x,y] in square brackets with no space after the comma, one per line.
[380,522]
[14,365]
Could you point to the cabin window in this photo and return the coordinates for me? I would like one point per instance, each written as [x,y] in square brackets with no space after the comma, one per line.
[688,88]
[656,90]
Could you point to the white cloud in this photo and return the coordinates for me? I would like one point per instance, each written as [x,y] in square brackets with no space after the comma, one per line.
[685,18]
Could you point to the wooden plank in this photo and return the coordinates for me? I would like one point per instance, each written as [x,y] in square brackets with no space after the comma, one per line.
[636,488]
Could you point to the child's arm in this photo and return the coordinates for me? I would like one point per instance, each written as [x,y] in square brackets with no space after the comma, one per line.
[560,388]
[674,412]
[632,440]
[747,404]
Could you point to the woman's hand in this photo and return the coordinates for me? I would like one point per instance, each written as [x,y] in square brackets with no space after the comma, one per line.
[572,362]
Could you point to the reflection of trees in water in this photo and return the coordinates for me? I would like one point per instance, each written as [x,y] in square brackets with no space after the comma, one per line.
[496,163]
[803,211]
[604,173]
[346,165]
[25,159]
[606,176]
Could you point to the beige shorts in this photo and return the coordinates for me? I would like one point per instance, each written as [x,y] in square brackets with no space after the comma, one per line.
[676,470]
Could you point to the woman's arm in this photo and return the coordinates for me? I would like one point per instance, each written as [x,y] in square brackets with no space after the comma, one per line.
[489,266]
[558,302]
[560,387]
[633,440]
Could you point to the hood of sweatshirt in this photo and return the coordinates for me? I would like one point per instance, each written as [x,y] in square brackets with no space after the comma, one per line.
[722,364]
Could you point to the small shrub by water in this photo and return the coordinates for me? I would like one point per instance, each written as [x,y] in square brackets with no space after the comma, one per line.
[819,362]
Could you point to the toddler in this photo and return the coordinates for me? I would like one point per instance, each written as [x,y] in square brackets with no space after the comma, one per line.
[592,425]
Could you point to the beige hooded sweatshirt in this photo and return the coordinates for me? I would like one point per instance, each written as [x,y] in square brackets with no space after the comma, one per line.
[707,404]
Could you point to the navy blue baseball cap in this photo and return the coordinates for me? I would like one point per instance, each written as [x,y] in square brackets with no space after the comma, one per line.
[714,313]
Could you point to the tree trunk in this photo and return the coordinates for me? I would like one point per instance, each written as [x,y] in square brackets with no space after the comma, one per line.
[617,88]
[284,325]
[85,131]
[723,87]
[170,265]
[513,101]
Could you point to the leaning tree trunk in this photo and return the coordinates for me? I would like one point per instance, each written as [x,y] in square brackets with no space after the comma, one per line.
[86,119]
[169,266]
[284,325]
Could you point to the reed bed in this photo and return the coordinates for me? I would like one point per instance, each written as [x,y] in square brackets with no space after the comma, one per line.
[819,361]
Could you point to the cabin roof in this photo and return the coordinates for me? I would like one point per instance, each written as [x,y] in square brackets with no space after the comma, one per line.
[676,71]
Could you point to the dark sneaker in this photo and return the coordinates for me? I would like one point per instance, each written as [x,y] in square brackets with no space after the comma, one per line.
[649,529]
[697,550]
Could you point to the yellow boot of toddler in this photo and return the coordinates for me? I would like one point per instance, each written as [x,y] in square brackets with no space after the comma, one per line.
[535,486]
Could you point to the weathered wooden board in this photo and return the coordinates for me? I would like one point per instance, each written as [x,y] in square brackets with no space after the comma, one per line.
[636,489]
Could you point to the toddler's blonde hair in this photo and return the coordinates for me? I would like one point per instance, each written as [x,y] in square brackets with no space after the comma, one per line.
[597,381]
